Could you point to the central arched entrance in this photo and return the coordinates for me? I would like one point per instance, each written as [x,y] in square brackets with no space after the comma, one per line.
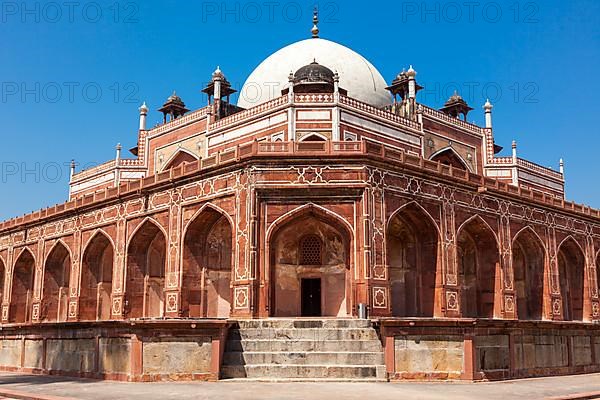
[309,263]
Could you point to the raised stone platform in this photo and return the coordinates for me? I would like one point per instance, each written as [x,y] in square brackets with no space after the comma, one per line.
[304,349]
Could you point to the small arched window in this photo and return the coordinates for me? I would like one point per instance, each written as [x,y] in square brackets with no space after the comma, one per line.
[311,250]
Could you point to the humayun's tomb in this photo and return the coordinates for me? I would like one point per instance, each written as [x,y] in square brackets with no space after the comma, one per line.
[242,240]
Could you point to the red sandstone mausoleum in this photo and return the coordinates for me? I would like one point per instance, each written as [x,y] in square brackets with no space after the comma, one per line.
[240,240]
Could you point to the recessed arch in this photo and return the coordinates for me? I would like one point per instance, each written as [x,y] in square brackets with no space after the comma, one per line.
[478,260]
[22,287]
[571,267]
[145,273]
[179,157]
[412,249]
[55,287]
[528,260]
[449,156]
[96,278]
[309,290]
[207,261]
[206,207]
[147,220]
[421,209]
[98,232]
[305,208]
[479,220]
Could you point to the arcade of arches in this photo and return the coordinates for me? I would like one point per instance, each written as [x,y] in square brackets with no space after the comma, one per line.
[308,267]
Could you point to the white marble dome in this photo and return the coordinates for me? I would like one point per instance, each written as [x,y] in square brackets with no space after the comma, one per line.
[357,75]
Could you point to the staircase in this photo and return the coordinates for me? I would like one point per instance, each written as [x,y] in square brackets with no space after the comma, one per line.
[304,350]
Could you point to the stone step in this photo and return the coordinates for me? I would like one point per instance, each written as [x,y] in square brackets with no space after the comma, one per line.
[303,345]
[305,333]
[304,323]
[288,380]
[273,372]
[304,358]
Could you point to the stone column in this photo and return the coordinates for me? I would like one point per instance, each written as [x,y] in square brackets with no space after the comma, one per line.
[591,305]
[174,248]
[75,277]
[505,301]
[7,285]
[553,304]
[374,248]
[38,282]
[449,285]
[244,271]
[119,265]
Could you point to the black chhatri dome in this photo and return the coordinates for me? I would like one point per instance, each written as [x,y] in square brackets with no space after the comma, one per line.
[314,73]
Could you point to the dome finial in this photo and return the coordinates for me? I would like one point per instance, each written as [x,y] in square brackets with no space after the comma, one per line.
[315,28]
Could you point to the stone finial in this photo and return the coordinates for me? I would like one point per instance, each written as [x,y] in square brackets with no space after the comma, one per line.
[118,148]
[561,165]
[488,113]
[143,116]
[488,106]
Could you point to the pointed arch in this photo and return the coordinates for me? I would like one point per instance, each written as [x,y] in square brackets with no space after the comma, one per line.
[55,286]
[449,156]
[478,258]
[98,232]
[528,260]
[96,278]
[146,220]
[179,157]
[308,207]
[292,284]
[145,272]
[207,264]
[571,269]
[412,249]
[206,207]
[421,209]
[22,287]
[314,137]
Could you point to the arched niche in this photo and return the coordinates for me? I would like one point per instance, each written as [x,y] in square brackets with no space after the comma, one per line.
[207,266]
[478,267]
[146,262]
[528,258]
[96,279]
[57,273]
[412,257]
[571,261]
[22,288]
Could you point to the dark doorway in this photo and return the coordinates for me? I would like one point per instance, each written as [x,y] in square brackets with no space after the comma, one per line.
[311,297]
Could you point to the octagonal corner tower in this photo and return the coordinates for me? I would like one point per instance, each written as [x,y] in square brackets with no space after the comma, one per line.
[357,75]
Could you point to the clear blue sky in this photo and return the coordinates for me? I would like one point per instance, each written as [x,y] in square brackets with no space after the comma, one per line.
[543,56]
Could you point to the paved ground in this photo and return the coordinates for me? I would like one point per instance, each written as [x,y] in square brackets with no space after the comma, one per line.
[525,389]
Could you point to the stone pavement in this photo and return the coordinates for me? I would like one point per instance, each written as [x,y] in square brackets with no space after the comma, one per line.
[526,389]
